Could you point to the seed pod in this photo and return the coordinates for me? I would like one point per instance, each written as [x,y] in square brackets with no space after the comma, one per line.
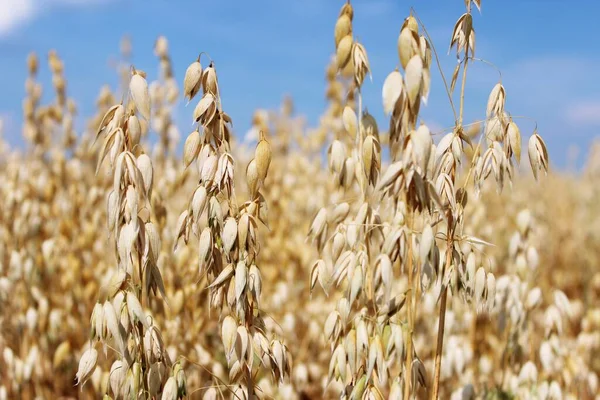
[124,319]
[193,80]
[170,390]
[538,155]
[356,284]
[118,372]
[369,125]
[61,354]
[138,87]
[534,298]
[32,63]
[262,156]
[161,47]
[113,326]
[494,129]
[359,389]
[241,278]
[112,119]
[347,10]
[425,51]
[315,273]
[229,235]
[392,89]
[470,271]
[352,234]
[198,203]
[112,211]
[154,379]
[414,78]
[343,308]
[343,27]
[426,244]
[205,247]
[228,334]
[252,177]
[117,282]
[408,46]
[395,391]
[350,347]
[513,141]
[209,169]
[340,212]
[87,364]
[332,325]
[361,63]
[209,80]
[134,307]
[134,130]
[371,159]
[422,141]
[337,155]
[97,322]
[337,365]
[223,276]
[339,242]
[411,23]
[191,148]
[349,120]
[562,302]
[255,282]
[495,104]
[349,172]
[205,110]
[152,247]
[344,52]
[480,283]
[319,223]
[426,84]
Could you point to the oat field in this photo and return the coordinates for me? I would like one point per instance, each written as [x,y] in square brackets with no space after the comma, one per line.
[361,258]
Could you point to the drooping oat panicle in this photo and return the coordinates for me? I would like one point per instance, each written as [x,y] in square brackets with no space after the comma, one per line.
[228,244]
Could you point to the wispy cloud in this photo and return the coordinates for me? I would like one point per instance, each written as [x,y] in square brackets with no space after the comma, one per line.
[584,113]
[15,13]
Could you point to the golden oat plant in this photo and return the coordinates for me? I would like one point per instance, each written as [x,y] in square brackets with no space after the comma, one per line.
[408,218]
[228,241]
[143,367]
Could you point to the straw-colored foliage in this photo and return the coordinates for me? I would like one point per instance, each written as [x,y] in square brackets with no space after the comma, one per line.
[358,259]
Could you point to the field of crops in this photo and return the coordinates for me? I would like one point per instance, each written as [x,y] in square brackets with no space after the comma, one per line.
[356,259]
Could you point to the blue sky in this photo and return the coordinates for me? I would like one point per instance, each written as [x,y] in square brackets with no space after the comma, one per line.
[547,50]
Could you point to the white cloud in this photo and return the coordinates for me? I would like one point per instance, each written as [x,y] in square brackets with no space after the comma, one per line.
[584,113]
[15,13]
